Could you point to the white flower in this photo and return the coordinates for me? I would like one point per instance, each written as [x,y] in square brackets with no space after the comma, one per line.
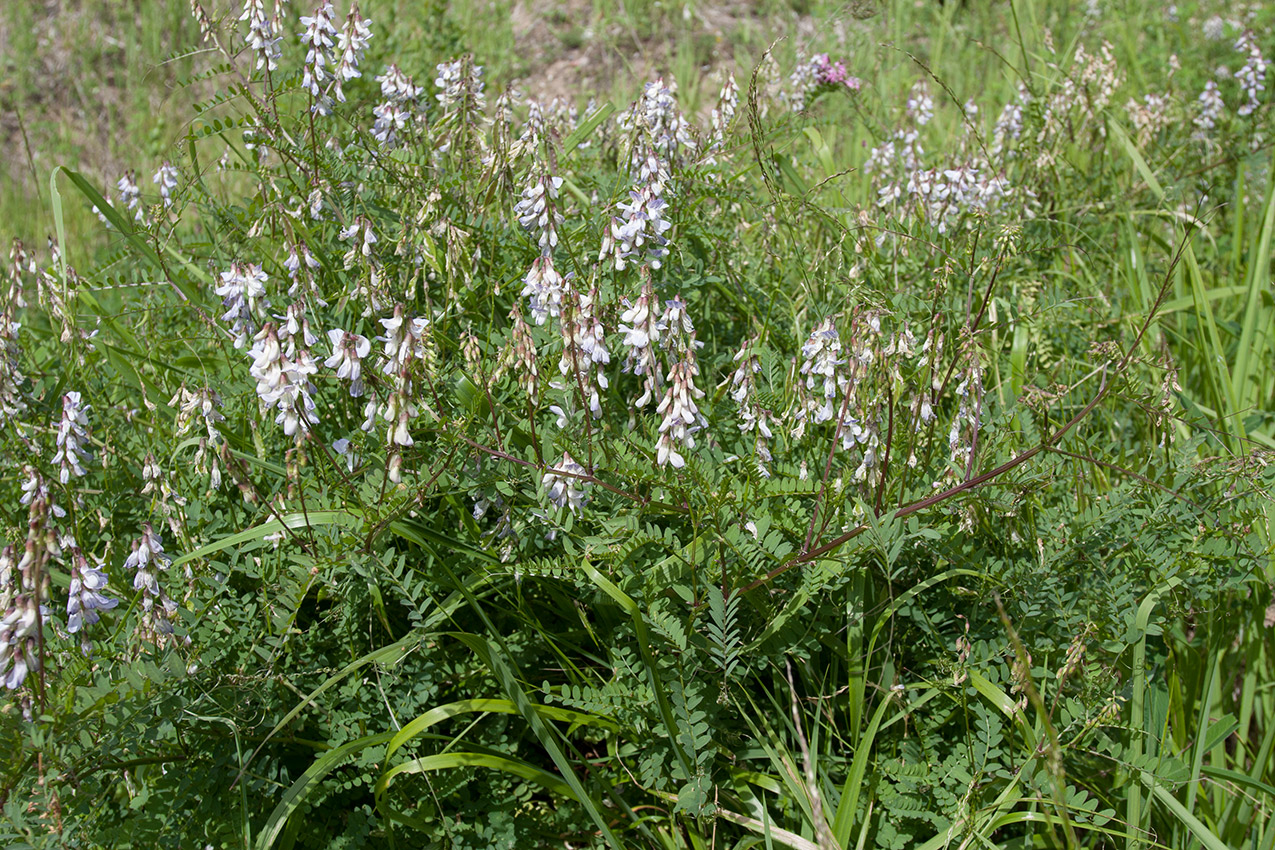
[241,288]
[351,43]
[166,179]
[85,596]
[682,417]
[131,195]
[1210,108]
[543,288]
[72,437]
[391,118]
[538,213]
[263,35]
[823,361]
[1252,76]
[348,351]
[397,86]
[566,490]
[318,37]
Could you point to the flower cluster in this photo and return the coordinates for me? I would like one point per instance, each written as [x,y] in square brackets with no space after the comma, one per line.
[242,290]
[538,211]
[148,560]
[824,377]
[263,34]
[399,107]
[584,352]
[85,596]
[641,326]
[564,485]
[1209,110]
[283,376]
[11,401]
[543,288]
[166,179]
[350,46]
[1252,75]
[131,194]
[754,418]
[71,438]
[319,38]
[348,351]
[682,416]
[815,76]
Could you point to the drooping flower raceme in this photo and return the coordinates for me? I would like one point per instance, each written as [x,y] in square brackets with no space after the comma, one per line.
[566,491]
[131,194]
[148,560]
[11,401]
[166,179]
[85,597]
[318,36]
[72,437]
[641,326]
[1252,75]
[351,43]
[263,34]
[584,352]
[682,417]
[1210,107]
[825,378]
[543,288]
[753,417]
[538,211]
[348,351]
[242,287]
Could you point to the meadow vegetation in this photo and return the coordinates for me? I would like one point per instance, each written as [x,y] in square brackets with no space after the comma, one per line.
[799,425]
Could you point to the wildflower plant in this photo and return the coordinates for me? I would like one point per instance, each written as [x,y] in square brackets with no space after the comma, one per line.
[438,471]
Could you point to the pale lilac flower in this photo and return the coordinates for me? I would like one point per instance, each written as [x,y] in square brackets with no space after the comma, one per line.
[584,352]
[391,119]
[361,237]
[86,595]
[166,179]
[642,329]
[348,351]
[11,402]
[263,34]
[301,265]
[18,639]
[318,36]
[823,365]
[642,229]
[242,286]
[920,106]
[543,288]
[538,211]
[1252,76]
[1210,109]
[283,382]
[405,340]
[682,417]
[566,491]
[72,437]
[131,194]
[753,417]
[398,87]
[148,560]
[724,111]
[460,86]
[351,43]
